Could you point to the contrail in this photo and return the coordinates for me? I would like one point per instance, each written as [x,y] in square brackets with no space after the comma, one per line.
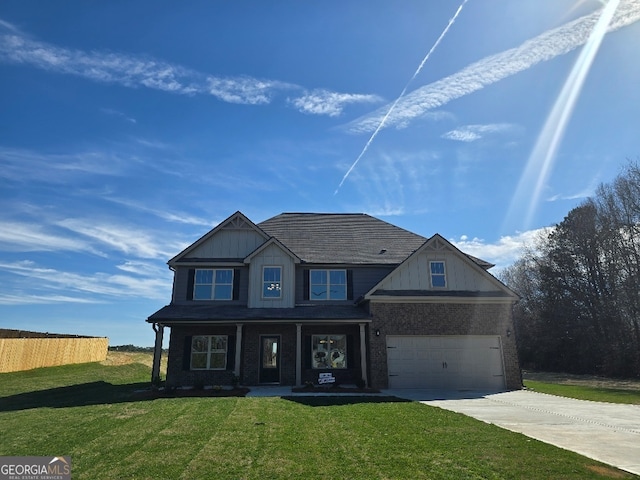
[404,90]
[492,69]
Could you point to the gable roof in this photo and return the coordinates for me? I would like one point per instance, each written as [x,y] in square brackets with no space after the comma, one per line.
[342,238]
[236,218]
[438,242]
[272,241]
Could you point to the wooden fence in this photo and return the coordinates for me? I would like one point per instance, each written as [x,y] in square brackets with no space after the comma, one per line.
[48,351]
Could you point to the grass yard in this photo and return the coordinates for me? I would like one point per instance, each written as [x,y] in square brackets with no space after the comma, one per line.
[90,413]
[585,387]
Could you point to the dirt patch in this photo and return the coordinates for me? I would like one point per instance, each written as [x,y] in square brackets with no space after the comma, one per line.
[607,471]
[583,380]
[125,358]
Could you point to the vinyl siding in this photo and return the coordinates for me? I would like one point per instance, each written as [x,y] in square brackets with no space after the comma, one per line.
[272,256]
[415,274]
[228,243]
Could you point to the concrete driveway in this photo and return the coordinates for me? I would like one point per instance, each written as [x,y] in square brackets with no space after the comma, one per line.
[607,432]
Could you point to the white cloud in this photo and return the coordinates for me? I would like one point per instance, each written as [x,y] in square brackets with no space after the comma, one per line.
[30,299]
[245,90]
[462,135]
[175,217]
[503,252]
[123,238]
[91,236]
[471,133]
[142,268]
[90,288]
[393,183]
[324,102]
[588,191]
[29,237]
[117,113]
[137,71]
[494,68]
[29,166]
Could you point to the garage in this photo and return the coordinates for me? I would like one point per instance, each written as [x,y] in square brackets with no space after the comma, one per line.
[461,362]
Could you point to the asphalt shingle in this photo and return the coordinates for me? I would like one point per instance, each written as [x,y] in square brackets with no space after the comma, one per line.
[353,238]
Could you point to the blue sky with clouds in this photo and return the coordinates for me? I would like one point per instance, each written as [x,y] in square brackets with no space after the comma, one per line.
[130,129]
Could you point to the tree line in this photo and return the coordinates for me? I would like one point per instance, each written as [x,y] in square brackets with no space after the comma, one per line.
[579,285]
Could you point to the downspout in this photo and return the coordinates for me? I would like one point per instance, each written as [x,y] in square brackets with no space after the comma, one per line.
[157,352]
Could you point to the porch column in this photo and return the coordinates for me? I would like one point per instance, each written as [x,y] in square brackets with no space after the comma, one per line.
[363,354]
[236,369]
[157,351]
[298,354]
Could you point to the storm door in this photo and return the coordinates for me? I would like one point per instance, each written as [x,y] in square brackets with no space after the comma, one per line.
[270,359]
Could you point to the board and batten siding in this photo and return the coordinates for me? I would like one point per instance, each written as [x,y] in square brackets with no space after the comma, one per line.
[414,274]
[272,256]
[228,243]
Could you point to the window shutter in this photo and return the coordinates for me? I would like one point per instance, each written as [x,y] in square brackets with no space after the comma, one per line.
[190,281]
[236,283]
[350,352]
[231,352]
[305,284]
[307,352]
[186,358]
[349,284]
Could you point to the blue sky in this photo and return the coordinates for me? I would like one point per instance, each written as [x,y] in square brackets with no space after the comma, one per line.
[128,129]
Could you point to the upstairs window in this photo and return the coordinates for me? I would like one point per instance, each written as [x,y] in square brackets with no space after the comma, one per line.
[215,284]
[271,282]
[328,285]
[438,275]
[209,352]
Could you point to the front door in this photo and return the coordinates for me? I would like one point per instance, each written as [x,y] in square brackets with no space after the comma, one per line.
[270,359]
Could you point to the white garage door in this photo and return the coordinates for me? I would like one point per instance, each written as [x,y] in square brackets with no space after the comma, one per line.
[445,362]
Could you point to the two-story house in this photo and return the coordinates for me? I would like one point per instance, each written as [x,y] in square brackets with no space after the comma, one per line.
[300,294]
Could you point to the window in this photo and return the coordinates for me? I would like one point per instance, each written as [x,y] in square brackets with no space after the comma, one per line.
[328,285]
[329,351]
[209,352]
[213,285]
[438,277]
[271,282]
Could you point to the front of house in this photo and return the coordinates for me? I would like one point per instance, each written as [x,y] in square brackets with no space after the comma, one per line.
[301,294]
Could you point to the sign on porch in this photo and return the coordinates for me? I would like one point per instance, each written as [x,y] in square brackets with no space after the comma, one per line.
[324,378]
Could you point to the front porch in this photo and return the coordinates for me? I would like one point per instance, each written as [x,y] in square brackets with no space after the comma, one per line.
[265,353]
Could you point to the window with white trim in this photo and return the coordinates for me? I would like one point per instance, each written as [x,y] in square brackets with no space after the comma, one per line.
[327,285]
[209,352]
[271,282]
[213,284]
[329,351]
[438,274]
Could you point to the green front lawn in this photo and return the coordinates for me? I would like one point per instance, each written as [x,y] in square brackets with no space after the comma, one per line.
[90,413]
[582,392]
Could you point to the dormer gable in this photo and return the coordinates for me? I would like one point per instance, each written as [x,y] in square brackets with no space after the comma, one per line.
[271,265]
[439,269]
[231,240]
[272,242]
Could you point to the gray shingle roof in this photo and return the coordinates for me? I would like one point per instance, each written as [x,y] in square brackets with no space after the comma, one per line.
[199,312]
[354,238]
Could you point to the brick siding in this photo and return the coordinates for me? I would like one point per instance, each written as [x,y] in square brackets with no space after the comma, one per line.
[441,319]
